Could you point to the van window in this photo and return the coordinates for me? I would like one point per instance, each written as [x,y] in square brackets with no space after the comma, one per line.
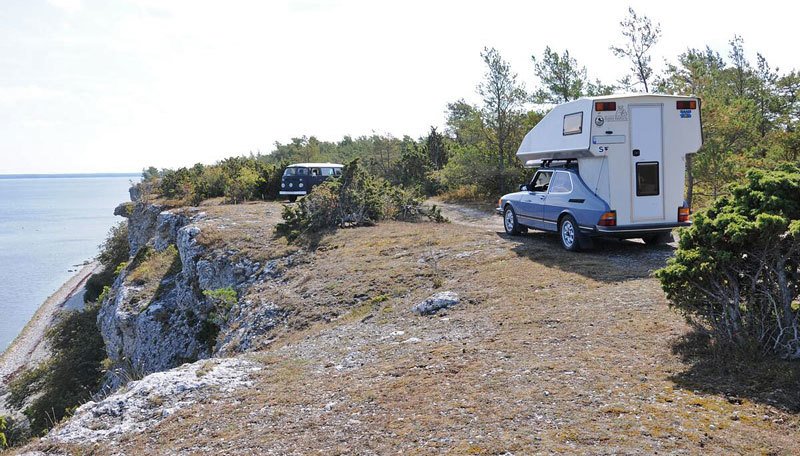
[327,171]
[295,171]
[316,172]
[337,171]
[541,181]
[573,123]
[561,183]
[647,179]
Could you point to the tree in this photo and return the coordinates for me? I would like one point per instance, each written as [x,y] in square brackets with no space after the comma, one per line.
[561,78]
[503,98]
[640,35]
[434,146]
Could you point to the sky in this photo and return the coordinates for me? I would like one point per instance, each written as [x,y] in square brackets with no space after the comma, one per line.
[116,86]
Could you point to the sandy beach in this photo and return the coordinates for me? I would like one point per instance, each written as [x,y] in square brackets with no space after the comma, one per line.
[28,348]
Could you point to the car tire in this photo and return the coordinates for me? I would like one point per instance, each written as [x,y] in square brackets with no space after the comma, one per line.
[568,234]
[292,198]
[510,222]
[658,239]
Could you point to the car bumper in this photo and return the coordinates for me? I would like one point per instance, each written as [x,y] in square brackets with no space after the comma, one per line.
[638,230]
[293,193]
[498,210]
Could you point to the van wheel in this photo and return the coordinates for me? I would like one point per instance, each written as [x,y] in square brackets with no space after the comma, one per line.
[292,198]
[568,232]
[510,222]
[658,239]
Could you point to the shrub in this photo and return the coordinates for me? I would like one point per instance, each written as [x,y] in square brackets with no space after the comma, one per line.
[3,427]
[114,251]
[736,269]
[69,377]
[355,199]
[222,300]
[475,169]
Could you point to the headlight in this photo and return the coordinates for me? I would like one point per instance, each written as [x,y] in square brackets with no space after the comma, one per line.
[283,185]
[300,185]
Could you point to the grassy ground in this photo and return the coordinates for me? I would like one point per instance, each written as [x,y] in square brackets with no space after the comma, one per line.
[548,351]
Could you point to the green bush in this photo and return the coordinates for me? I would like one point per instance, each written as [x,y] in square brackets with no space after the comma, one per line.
[354,199]
[736,269]
[3,427]
[113,252]
[69,377]
[473,168]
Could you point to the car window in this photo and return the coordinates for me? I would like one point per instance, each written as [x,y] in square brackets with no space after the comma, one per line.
[316,172]
[327,171]
[295,171]
[561,183]
[337,171]
[541,181]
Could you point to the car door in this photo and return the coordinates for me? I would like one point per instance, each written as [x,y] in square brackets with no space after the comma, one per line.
[557,200]
[532,212]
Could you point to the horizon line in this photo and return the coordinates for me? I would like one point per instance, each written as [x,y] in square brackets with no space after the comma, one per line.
[65,175]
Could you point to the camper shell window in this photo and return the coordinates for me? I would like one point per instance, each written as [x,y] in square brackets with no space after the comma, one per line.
[573,123]
[647,179]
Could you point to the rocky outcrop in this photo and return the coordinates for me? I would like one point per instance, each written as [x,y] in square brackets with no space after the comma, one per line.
[157,325]
[145,403]
[436,303]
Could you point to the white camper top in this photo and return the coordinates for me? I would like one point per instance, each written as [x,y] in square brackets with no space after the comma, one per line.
[566,132]
[315,165]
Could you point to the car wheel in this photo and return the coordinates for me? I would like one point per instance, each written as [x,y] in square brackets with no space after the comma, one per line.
[568,233]
[658,239]
[292,198]
[510,222]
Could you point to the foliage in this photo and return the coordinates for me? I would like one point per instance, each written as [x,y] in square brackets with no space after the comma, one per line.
[114,251]
[356,198]
[737,266]
[221,300]
[3,427]
[503,97]
[69,377]
[640,35]
[237,179]
[561,77]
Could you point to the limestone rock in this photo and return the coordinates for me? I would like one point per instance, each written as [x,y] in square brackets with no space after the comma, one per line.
[436,302]
[146,402]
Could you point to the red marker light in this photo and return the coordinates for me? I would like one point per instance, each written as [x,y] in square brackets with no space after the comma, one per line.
[605,105]
[686,104]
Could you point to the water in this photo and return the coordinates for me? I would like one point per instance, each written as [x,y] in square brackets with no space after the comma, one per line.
[49,226]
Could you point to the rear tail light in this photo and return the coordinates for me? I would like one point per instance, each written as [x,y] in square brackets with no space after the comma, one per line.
[608,219]
[684,214]
[686,104]
[605,105]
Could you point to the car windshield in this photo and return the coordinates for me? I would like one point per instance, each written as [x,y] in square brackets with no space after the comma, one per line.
[541,181]
[296,171]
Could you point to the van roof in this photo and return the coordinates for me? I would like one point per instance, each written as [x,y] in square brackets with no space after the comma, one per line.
[315,165]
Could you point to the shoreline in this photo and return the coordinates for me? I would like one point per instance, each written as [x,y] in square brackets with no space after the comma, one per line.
[28,348]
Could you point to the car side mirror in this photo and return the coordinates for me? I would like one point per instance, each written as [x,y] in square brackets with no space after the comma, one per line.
[523,188]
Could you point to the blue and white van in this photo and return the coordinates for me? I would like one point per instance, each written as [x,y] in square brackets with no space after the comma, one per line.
[300,178]
[608,166]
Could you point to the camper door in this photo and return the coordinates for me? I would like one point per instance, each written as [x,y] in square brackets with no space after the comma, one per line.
[647,170]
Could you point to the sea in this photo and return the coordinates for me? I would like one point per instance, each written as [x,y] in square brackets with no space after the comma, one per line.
[49,226]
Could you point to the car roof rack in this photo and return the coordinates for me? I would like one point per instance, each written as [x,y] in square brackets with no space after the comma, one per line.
[560,163]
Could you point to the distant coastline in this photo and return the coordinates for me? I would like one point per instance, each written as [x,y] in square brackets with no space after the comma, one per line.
[67,176]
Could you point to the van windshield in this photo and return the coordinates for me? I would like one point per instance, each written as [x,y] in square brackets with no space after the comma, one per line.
[295,171]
